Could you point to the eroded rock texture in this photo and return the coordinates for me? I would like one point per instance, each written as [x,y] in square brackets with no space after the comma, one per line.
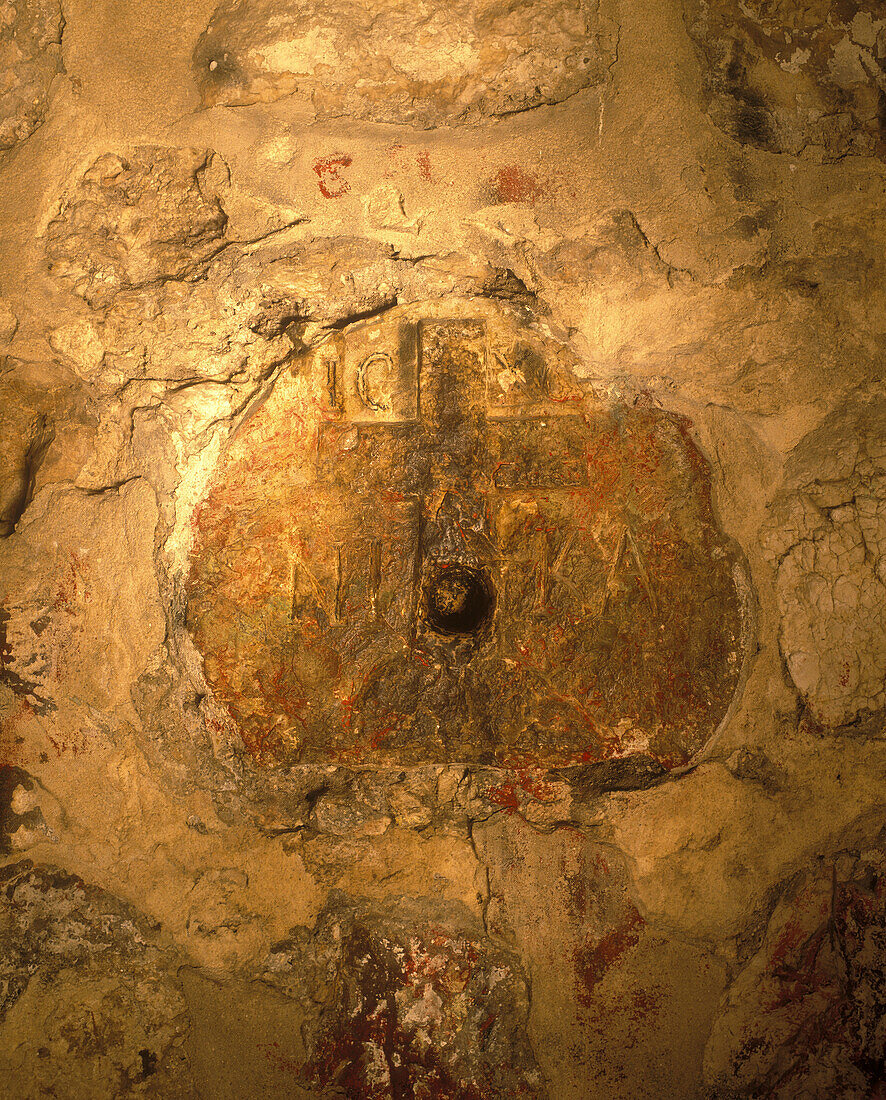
[808,76]
[90,1005]
[828,539]
[30,58]
[128,223]
[423,64]
[25,435]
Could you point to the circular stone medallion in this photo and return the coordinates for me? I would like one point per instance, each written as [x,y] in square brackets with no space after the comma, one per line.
[432,544]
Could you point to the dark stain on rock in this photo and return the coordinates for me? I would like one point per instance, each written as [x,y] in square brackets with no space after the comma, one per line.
[751,119]
[149,1062]
[217,72]
[634,773]
[881,113]
[787,79]
[11,778]
[415,1002]
[25,689]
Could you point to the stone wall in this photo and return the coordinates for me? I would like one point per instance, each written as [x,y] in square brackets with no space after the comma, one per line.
[443,549]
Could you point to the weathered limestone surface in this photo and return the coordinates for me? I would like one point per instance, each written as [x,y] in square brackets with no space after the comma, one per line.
[613,1000]
[419,63]
[83,590]
[827,537]
[30,58]
[635,256]
[132,222]
[90,1003]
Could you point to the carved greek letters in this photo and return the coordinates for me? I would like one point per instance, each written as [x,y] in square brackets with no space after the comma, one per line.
[372,374]
[463,556]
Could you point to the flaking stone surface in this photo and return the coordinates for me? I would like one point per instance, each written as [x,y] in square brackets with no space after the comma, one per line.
[424,64]
[89,1003]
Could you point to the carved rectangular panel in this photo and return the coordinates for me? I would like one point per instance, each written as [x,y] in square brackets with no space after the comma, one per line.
[372,377]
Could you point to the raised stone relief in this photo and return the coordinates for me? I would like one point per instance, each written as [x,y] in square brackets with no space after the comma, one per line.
[433,544]
[442,550]
[400,62]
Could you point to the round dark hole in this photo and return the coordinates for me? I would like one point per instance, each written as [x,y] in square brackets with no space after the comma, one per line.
[458,600]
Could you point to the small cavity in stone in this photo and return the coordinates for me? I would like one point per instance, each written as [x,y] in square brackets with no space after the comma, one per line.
[459,600]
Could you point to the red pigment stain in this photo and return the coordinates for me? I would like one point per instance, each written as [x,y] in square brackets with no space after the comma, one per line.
[592,960]
[402,162]
[505,796]
[278,1060]
[332,185]
[395,155]
[73,589]
[793,935]
[423,159]
[643,1004]
[513,184]
[527,780]
[76,744]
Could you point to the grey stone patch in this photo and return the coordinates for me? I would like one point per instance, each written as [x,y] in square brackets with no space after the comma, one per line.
[409,998]
[30,58]
[421,65]
[89,1002]
[754,766]
[826,537]
[307,287]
